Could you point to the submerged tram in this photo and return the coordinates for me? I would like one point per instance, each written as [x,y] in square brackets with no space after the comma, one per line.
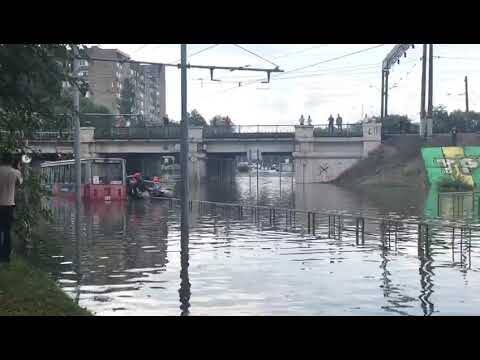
[102,178]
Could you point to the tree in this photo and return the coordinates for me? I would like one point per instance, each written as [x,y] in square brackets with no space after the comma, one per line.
[443,122]
[31,82]
[441,119]
[219,120]
[88,106]
[196,119]
[397,124]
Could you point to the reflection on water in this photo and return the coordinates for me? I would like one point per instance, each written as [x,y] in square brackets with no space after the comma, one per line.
[130,258]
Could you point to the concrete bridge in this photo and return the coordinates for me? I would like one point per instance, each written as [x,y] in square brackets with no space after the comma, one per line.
[318,155]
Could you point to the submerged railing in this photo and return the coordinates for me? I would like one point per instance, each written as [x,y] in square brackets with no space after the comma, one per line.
[390,226]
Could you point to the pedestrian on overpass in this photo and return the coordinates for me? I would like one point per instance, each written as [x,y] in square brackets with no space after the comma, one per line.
[330,125]
[10,176]
[454,136]
[339,122]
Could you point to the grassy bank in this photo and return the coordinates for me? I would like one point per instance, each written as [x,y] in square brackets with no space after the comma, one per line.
[26,290]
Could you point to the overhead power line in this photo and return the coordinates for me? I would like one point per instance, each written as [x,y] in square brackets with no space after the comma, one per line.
[202,50]
[299,51]
[140,48]
[315,64]
[199,51]
[255,54]
[334,58]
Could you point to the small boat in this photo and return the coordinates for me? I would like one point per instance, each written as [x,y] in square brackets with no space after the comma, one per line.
[156,190]
[243,167]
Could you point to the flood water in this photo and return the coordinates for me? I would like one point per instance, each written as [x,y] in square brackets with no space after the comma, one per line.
[128,262]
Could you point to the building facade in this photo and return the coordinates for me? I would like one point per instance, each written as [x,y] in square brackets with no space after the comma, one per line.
[107,80]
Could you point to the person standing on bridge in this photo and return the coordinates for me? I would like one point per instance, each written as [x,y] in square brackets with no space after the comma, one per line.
[339,122]
[454,136]
[330,125]
[10,176]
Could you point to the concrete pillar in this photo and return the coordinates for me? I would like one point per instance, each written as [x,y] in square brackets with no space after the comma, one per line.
[197,155]
[426,125]
[372,137]
[304,147]
[87,142]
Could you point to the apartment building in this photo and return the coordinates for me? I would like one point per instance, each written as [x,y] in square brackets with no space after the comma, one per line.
[107,78]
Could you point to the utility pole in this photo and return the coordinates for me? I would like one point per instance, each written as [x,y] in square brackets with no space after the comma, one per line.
[466,94]
[184,144]
[383,95]
[424,79]
[386,93]
[430,82]
[76,124]
[184,290]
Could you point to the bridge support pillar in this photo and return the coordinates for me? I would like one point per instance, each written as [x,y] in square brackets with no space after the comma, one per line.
[324,160]
[426,128]
[302,156]
[197,156]
[372,137]
[87,142]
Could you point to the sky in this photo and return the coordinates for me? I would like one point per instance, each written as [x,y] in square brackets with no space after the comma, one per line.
[349,86]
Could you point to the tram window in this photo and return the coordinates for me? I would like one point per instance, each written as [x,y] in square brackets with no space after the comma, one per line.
[107,173]
[68,174]
[84,173]
[62,174]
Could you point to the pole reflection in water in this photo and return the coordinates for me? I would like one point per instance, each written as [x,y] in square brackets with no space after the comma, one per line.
[78,207]
[244,266]
[184,291]
[426,275]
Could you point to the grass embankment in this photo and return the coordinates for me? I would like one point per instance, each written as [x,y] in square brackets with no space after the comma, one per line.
[396,163]
[26,290]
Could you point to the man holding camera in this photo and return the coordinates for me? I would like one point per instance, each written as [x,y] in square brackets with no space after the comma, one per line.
[10,177]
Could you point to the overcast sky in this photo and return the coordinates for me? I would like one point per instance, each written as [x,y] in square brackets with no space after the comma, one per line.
[346,86]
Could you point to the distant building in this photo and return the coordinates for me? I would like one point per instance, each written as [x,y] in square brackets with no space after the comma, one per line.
[154,93]
[106,80]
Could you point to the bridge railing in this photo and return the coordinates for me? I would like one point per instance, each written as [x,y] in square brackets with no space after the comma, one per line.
[39,135]
[150,132]
[245,131]
[347,130]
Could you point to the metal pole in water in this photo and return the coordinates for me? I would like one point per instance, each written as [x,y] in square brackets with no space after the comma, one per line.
[363,231]
[258,161]
[78,167]
[184,145]
[308,222]
[76,121]
[280,181]
[357,230]
[250,179]
[313,223]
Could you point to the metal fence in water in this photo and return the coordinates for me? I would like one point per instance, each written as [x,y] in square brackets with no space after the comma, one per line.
[333,224]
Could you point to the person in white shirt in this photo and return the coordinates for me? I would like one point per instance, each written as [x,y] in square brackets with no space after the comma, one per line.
[10,177]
